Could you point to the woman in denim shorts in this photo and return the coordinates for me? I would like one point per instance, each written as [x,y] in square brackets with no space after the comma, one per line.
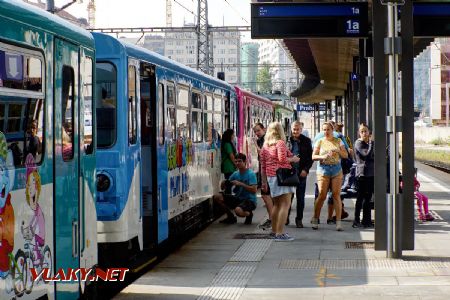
[328,151]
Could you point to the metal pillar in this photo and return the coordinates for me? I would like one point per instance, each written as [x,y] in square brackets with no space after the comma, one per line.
[379,126]
[355,100]
[406,205]
[351,110]
[369,88]
[447,85]
[318,117]
[313,132]
[205,60]
[336,108]
[362,85]
[346,108]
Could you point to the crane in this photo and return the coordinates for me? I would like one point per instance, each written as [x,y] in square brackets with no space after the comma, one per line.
[168,13]
[91,13]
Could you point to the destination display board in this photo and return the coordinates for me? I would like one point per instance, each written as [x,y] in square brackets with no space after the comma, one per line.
[431,19]
[309,20]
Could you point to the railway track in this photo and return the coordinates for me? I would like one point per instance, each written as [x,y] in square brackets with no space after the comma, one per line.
[437,165]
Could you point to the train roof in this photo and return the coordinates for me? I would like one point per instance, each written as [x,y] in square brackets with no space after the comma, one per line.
[106,44]
[31,15]
[256,96]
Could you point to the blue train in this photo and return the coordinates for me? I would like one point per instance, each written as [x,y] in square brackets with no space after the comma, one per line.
[74,195]
[158,164]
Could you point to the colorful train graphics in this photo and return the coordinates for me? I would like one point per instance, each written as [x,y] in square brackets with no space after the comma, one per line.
[108,152]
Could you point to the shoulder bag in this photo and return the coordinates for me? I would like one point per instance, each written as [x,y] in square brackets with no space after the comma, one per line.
[287,177]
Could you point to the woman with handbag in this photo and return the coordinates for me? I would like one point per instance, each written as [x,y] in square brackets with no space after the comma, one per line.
[278,174]
[328,151]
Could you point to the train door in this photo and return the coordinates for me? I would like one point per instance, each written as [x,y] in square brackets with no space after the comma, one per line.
[66,164]
[148,155]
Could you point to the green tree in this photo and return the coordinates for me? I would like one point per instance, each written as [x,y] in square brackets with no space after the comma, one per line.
[264,80]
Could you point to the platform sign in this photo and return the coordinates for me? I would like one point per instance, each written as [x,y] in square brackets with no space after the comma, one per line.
[306,107]
[309,20]
[311,107]
[431,19]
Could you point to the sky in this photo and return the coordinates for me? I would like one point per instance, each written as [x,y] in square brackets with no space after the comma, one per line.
[152,13]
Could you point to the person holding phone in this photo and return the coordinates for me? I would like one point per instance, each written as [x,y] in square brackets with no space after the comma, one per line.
[301,147]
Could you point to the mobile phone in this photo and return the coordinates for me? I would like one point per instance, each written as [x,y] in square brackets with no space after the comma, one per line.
[298,155]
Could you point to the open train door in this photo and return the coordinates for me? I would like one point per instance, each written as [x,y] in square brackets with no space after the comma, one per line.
[148,157]
[66,164]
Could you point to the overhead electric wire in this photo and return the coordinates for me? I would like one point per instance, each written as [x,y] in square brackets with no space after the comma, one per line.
[187,9]
[237,12]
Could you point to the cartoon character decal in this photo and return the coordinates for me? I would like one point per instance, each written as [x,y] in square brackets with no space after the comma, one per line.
[36,254]
[6,210]
[35,230]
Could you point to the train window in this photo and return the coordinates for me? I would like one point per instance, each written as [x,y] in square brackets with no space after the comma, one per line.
[209,103]
[67,112]
[232,114]
[87,95]
[227,112]
[132,115]
[170,117]
[183,97]
[208,127]
[197,118]
[21,104]
[170,95]
[183,120]
[26,134]
[14,117]
[19,70]
[146,92]
[161,113]
[183,123]
[106,106]
[196,100]
[218,114]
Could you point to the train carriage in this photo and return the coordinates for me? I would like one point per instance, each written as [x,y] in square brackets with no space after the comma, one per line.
[47,152]
[159,126]
[285,115]
[252,109]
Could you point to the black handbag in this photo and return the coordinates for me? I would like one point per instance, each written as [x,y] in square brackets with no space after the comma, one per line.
[287,177]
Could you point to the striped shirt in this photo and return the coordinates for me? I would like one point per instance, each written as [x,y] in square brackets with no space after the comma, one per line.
[274,157]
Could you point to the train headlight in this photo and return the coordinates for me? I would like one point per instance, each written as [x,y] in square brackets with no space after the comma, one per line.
[104,182]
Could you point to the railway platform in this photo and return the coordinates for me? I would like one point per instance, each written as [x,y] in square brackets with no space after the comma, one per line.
[241,262]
